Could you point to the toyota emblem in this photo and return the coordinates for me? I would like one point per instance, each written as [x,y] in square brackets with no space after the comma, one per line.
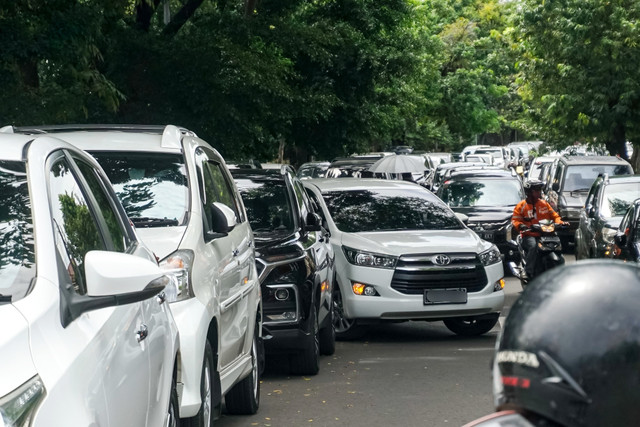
[441,259]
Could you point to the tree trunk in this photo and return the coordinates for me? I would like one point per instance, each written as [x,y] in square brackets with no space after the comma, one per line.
[144,13]
[182,17]
[281,150]
[618,146]
[29,72]
[635,158]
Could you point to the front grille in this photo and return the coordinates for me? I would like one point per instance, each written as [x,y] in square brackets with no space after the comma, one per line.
[415,273]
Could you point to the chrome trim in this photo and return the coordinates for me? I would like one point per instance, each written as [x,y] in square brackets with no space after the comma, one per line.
[268,266]
[297,297]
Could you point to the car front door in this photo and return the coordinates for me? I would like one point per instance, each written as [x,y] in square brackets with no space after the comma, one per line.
[234,255]
[106,349]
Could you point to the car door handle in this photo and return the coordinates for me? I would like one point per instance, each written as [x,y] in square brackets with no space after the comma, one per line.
[142,333]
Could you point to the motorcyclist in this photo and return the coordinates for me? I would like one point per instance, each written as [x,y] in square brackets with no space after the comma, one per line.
[528,212]
[569,350]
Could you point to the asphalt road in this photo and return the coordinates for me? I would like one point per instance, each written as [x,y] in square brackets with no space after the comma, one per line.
[404,374]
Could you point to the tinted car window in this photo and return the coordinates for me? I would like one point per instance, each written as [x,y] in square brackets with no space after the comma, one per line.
[580,177]
[388,210]
[76,229]
[267,205]
[118,236]
[149,185]
[618,198]
[17,256]
[494,192]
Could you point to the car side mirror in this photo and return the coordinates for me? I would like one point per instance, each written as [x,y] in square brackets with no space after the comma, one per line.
[555,186]
[588,209]
[313,222]
[223,220]
[620,239]
[462,217]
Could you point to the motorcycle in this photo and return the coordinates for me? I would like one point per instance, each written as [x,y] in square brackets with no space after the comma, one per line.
[549,247]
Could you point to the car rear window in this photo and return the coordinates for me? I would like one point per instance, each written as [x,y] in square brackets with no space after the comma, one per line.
[489,192]
[17,255]
[389,210]
[153,187]
[618,198]
[581,177]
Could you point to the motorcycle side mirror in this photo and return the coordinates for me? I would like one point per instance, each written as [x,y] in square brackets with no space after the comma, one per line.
[620,239]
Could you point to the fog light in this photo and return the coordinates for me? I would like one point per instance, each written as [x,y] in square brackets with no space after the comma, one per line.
[290,315]
[499,285]
[282,294]
[362,289]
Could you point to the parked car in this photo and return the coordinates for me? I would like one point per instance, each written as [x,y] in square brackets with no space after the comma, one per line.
[312,170]
[607,202]
[402,254]
[627,238]
[87,337]
[351,167]
[178,192]
[536,168]
[487,198]
[570,180]
[296,267]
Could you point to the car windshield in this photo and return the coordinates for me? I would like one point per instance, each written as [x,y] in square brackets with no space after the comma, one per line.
[17,256]
[618,198]
[267,205]
[152,187]
[388,210]
[581,177]
[489,193]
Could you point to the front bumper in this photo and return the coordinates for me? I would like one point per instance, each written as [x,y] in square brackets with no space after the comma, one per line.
[391,304]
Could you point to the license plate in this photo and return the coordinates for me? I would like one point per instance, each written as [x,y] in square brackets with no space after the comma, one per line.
[488,236]
[445,296]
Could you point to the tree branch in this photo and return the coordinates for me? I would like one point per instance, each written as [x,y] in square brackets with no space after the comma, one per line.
[181,18]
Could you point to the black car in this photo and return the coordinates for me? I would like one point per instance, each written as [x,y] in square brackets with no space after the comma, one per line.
[627,238]
[570,180]
[488,198]
[606,204]
[295,265]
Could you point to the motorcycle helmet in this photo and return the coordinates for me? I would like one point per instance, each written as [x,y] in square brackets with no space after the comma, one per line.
[533,184]
[569,351]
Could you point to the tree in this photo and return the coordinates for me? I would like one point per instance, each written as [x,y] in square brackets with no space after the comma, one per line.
[579,70]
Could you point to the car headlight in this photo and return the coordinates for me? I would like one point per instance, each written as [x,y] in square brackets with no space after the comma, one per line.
[178,267]
[368,259]
[18,407]
[491,256]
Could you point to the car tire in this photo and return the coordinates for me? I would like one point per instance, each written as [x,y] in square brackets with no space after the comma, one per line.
[328,336]
[173,413]
[244,397]
[346,329]
[205,416]
[307,361]
[471,326]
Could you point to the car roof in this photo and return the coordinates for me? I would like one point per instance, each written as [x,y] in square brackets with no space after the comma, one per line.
[12,146]
[358,184]
[619,179]
[483,174]
[258,174]
[591,160]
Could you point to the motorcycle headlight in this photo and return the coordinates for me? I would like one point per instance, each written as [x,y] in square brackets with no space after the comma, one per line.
[368,259]
[177,267]
[18,407]
[491,256]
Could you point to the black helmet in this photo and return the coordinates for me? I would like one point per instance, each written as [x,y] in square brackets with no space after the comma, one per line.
[569,351]
[533,184]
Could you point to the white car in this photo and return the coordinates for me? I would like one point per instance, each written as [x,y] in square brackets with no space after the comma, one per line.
[87,337]
[402,254]
[177,191]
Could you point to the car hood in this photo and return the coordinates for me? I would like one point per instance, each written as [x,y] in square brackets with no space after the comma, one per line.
[16,365]
[486,214]
[162,240]
[416,241]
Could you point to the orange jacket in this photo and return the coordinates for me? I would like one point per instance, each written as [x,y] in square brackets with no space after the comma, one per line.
[524,213]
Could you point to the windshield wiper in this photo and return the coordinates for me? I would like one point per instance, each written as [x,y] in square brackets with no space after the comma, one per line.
[5,298]
[579,190]
[145,221]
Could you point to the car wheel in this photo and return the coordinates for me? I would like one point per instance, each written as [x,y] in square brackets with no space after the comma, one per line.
[173,413]
[244,397]
[204,417]
[471,326]
[307,362]
[328,336]
[346,329]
